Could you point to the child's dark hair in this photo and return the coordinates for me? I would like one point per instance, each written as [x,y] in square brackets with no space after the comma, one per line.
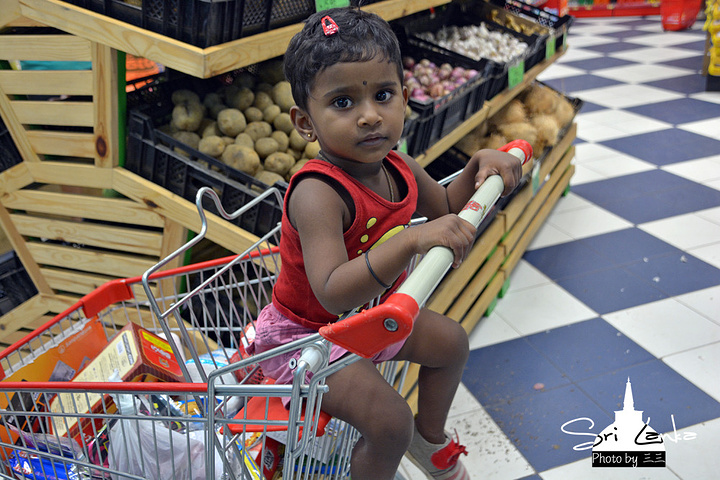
[361,36]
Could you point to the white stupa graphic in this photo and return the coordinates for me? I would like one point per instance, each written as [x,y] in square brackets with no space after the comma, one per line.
[629,433]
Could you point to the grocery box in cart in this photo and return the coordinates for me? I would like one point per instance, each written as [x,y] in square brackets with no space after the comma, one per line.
[203,23]
[156,155]
[461,32]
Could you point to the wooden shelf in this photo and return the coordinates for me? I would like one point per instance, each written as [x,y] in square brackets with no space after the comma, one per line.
[198,62]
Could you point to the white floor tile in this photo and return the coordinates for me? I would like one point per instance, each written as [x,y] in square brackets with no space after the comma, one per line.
[490,331]
[541,308]
[548,235]
[701,170]
[709,128]
[713,97]
[583,469]
[490,453]
[712,214]
[580,41]
[587,222]
[524,275]
[598,29]
[559,71]
[706,302]
[654,54]
[604,125]
[642,73]
[584,175]
[699,365]
[684,231]
[696,459]
[713,184]
[585,152]
[665,327]
[624,96]
[464,402]
[663,39]
[571,201]
[576,54]
[619,165]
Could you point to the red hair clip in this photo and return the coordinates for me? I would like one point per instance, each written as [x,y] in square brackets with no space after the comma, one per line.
[329,26]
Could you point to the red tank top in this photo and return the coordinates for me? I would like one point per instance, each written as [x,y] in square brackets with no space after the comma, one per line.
[376,220]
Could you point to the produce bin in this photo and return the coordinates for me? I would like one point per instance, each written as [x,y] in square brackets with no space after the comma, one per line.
[203,23]
[437,117]
[411,28]
[9,154]
[152,154]
[15,284]
[527,18]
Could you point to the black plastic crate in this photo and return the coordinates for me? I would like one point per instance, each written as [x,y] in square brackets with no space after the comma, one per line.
[203,23]
[15,284]
[461,15]
[151,154]
[9,154]
[557,26]
[437,117]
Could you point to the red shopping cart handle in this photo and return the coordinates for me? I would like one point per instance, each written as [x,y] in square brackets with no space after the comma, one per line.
[371,331]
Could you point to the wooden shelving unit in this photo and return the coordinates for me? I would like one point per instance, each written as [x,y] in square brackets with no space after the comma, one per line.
[59,192]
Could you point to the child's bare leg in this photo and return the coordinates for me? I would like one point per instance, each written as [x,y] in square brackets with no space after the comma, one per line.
[440,346]
[359,395]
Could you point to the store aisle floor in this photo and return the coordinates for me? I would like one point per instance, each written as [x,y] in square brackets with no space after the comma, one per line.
[622,281]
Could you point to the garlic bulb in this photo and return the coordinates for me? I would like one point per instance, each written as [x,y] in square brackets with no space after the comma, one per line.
[477,42]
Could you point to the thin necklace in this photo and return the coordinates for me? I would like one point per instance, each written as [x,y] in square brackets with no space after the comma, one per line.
[387,177]
[322,156]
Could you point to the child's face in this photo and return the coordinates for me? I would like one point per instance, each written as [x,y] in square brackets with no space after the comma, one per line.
[357,110]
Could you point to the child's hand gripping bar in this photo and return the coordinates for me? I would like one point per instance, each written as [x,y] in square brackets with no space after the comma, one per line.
[371,331]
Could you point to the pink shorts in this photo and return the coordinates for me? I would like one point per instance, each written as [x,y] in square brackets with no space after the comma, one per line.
[273,329]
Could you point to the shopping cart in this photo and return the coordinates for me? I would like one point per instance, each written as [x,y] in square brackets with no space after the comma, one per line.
[221,418]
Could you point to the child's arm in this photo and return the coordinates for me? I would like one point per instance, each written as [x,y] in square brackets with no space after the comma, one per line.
[320,216]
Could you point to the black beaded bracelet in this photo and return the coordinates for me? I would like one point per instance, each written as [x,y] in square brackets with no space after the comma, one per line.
[372,272]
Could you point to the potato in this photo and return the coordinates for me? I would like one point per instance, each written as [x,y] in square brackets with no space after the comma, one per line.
[282,95]
[297,142]
[253,114]
[295,168]
[187,116]
[279,162]
[266,146]
[262,100]
[296,154]
[245,139]
[241,99]
[312,149]
[270,113]
[283,123]
[212,145]
[241,158]
[210,128]
[191,139]
[258,130]
[231,122]
[268,178]
[184,96]
[228,140]
[282,139]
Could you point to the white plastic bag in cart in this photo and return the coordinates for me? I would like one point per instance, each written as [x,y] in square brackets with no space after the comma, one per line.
[152,451]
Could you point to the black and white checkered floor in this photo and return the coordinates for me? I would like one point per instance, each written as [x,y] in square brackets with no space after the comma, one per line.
[623,279]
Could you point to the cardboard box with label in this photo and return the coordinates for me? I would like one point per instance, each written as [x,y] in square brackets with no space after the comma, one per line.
[137,354]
